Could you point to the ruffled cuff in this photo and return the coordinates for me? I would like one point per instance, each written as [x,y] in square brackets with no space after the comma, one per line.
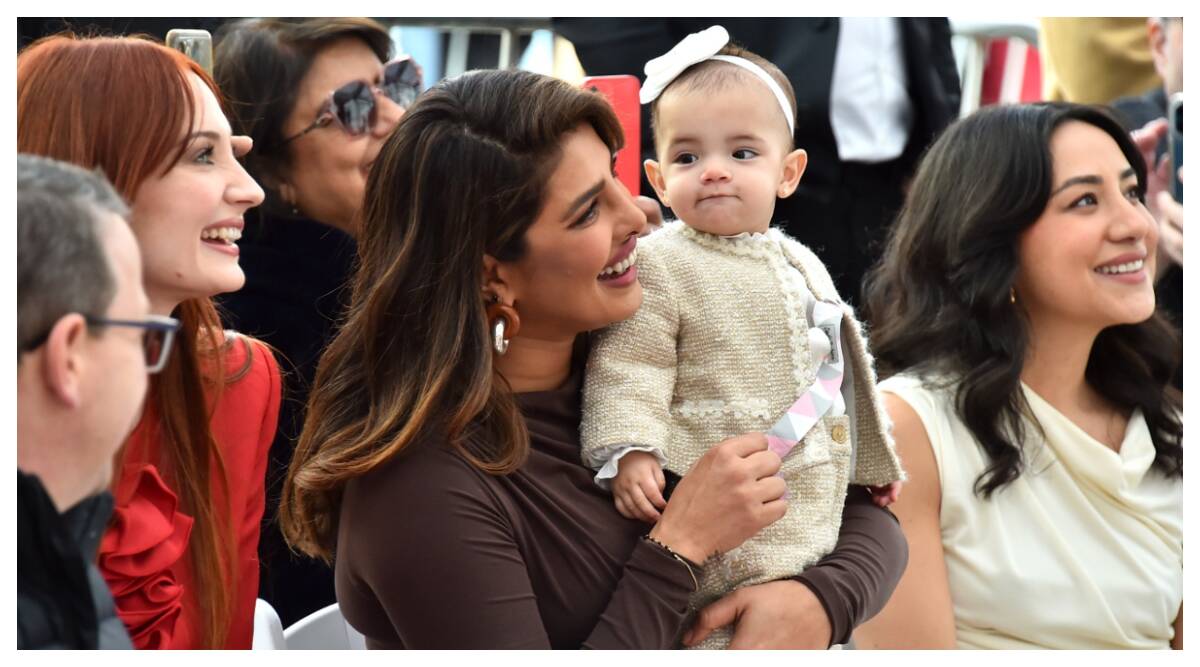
[611,456]
[146,538]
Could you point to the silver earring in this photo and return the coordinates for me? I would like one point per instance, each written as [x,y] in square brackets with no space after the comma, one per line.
[505,323]
[499,342]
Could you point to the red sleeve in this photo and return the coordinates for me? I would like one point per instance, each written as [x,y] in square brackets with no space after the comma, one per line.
[244,426]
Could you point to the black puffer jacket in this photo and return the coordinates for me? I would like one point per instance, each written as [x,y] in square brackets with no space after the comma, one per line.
[62,600]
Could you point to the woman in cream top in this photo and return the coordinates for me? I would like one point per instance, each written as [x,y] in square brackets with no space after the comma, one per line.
[1084,533]
[1014,311]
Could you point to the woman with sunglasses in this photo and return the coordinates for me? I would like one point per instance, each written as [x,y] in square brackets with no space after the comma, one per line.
[181,552]
[318,96]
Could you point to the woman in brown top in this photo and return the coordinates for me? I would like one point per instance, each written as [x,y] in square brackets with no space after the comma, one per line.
[440,457]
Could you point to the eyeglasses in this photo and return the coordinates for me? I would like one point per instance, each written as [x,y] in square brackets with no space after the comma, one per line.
[352,106]
[157,337]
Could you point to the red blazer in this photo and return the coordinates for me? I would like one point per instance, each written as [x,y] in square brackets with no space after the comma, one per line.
[143,554]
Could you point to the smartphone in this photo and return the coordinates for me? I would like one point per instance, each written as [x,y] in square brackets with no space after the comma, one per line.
[1175,143]
[195,44]
[622,94]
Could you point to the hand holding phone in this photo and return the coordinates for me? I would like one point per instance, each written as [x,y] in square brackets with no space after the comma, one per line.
[195,44]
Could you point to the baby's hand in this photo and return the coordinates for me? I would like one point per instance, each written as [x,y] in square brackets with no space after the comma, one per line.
[887,494]
[637,488]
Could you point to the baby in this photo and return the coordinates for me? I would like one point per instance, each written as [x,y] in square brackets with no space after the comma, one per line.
[740,329]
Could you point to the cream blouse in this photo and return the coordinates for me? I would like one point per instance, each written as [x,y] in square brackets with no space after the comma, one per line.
[1083,550]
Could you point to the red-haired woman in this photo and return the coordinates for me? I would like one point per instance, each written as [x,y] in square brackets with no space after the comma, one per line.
[181,551]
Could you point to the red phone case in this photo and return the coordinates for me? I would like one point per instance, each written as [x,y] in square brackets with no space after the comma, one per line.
[622,93]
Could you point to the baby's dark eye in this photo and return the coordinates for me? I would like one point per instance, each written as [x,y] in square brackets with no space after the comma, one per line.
[685,158]
[744,154]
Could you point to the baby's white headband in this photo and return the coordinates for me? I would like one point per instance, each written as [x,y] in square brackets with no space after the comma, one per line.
[698,47]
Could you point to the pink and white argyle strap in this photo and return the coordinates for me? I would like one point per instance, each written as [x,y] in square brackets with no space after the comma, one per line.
[826,390]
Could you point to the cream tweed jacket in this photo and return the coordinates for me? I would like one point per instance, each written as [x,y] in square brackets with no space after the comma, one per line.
[720,348]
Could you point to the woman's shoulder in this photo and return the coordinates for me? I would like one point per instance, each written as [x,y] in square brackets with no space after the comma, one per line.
[929,413]
[428,473]
[252,377]
[428,493]
[930,397]
[248,407]
[246,356]
[932,390]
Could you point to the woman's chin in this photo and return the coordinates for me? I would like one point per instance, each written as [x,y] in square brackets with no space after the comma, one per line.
[231,282]
[625,305]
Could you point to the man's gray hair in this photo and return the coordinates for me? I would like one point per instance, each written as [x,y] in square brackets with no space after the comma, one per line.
[62,266]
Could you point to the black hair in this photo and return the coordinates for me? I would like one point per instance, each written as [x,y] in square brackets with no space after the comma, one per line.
[940,296]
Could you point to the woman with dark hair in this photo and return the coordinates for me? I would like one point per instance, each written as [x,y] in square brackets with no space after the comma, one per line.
[318,100]
[1031,392]
[181,552]
[439,467]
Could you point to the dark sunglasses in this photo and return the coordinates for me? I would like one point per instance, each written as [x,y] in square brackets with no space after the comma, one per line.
[352,106]
[158,334]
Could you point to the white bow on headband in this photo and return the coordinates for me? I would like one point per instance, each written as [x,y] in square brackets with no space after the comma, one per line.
[698,47]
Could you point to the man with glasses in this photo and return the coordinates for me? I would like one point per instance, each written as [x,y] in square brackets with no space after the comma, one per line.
[85,342]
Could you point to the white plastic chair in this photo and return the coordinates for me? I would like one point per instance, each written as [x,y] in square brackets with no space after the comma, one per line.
[325,629]
[268,629]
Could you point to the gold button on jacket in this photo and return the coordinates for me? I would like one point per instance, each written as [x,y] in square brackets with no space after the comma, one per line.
[838,433]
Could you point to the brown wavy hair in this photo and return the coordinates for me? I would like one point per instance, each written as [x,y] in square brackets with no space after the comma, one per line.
[463,174]
[119,104]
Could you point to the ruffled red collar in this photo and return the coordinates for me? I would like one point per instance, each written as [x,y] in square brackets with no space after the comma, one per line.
[146,539]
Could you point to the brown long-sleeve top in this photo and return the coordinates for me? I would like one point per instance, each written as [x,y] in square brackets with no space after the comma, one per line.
[432,553]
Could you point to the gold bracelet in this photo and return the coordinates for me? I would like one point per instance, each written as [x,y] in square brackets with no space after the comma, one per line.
[685,562]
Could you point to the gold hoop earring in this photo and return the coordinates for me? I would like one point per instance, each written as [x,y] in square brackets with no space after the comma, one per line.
[1012,295]
[504,323]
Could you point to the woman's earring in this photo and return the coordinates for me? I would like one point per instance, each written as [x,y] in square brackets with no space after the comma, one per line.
[1012,295]
[285,192]
[504,323]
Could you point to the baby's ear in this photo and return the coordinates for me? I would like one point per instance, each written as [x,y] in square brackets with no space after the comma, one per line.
[794,164]
[655,175]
